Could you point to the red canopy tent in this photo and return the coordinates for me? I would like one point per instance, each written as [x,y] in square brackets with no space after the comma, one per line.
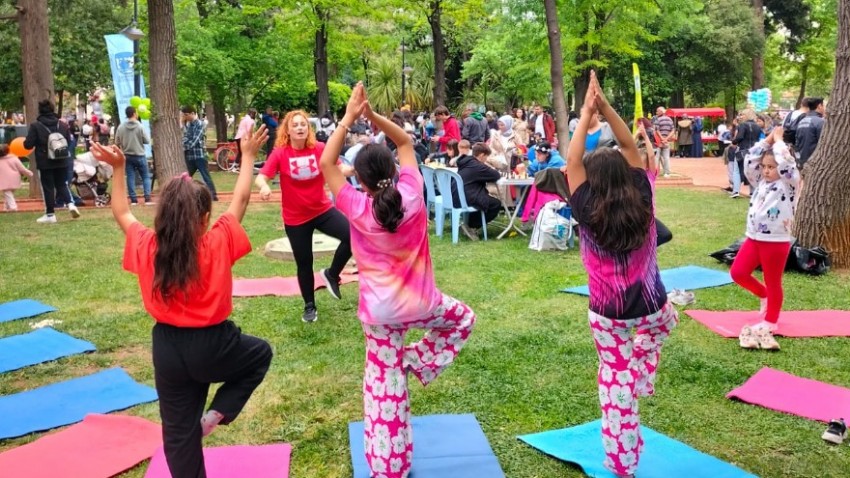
[694,112]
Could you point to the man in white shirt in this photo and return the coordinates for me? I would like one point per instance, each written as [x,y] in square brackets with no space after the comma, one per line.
[246,127]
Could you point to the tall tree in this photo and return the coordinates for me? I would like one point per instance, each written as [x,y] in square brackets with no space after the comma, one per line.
[758,58]
[435,12]
[320,63]
[823,214]
[556,71]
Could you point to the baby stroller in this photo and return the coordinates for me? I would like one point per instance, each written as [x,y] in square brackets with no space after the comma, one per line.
[91,179]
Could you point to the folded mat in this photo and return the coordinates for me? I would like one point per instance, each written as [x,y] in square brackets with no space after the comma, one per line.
[662,457]
[792,323]
[99,447]
[799,396]
[281,286]
[242,461]
[684,278]
[21,309]
[42,345]
[68,402]
[444,446]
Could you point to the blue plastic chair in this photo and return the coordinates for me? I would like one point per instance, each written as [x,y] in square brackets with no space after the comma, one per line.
[445,178]
[431,196]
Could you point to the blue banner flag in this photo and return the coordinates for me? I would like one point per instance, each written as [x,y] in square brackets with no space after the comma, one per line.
[121,61]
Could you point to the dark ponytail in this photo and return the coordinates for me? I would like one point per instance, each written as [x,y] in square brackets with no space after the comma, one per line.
[375,170]
[179,225]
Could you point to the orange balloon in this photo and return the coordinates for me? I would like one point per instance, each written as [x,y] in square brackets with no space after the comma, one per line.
[16,147]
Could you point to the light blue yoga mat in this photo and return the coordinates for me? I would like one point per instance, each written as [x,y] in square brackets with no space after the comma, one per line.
[21,309]
[444,446]
[662,457]
[684,278]
[42,345]
[69,402]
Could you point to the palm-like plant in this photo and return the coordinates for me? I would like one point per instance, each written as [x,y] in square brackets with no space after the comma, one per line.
[384,84]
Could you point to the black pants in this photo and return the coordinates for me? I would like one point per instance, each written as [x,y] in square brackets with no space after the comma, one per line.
[53,183]
[332,223]
[492,209]
[186,361]
[663,233]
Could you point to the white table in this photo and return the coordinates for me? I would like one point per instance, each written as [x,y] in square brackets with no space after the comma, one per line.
[524,185]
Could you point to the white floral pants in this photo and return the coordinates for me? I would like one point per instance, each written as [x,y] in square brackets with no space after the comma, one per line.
[628,357]
[386,406]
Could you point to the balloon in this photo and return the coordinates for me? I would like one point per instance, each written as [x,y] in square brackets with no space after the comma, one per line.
[142,109]
[146,102]
[16,147]
[135,101]
[145,116]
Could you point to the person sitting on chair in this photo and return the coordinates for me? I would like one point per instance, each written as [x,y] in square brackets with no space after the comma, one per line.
[476,173]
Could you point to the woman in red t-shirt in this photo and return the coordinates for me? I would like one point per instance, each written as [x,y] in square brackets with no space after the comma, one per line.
[304,205]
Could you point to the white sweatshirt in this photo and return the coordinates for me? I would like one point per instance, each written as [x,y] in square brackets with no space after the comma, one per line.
[772,205]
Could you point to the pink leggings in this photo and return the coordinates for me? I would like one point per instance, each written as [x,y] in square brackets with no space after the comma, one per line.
[386,405]
[772,257]
[628,357]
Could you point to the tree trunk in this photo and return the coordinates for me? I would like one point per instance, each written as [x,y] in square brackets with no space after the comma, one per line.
[580,85]
[320,65]
[804,73]
[758,58]
[556,73]
[165,123]
[823,214]
[61,103]
[439,53]
[677,99]
[36,65]
[219,115]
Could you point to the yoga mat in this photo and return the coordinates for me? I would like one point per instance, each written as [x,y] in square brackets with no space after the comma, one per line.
[264,461]
[662,457]
[21,309]
[792,323]
[444,446]
[799,396]
[99,447]
[280,286]
[684,278]
[42,345]
[68,402]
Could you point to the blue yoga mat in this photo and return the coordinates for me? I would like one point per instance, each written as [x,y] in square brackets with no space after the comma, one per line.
[42,345]
[69,402]
[662,457]
[21,309]
[684,278]
[444,446]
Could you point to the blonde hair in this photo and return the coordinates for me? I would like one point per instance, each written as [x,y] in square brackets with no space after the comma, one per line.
[283,131]
[748,114]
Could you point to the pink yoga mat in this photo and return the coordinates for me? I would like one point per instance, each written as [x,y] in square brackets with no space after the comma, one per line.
[242,461]
[98,447]
[282,286]
[799,396]
[792,323]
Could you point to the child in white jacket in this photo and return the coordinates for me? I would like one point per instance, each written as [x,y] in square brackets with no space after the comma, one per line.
[772,172]
[11,169]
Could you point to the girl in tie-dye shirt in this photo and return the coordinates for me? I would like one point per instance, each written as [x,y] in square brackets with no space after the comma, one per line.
[612,200]
[389,239]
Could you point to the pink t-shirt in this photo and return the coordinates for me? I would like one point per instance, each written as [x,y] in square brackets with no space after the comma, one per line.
[396,277]
[246,126]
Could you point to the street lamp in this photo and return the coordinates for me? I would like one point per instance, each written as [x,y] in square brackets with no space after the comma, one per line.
[405,70]
[133,33]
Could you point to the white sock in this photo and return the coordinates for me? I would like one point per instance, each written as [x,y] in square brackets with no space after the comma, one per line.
[209,421]
[770,326]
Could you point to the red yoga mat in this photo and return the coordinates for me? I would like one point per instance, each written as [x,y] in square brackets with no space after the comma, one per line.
[281,286]
[264,461]
[799,396]
[98,447]
[792,323]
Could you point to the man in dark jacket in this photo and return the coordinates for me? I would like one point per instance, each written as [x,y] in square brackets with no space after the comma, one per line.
[474,128]
[476,174]
[51,172]
[808,131]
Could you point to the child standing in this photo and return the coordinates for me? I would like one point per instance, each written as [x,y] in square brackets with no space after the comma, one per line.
[772,171]
[612,199]
[186,281]
[389,238]
[11,169]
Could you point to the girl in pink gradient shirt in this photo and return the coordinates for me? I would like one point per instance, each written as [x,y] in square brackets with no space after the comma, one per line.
[389,239]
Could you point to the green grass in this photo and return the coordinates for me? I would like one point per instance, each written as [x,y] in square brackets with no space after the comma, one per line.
[529,366]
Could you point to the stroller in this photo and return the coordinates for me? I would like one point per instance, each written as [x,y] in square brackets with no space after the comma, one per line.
[91,179]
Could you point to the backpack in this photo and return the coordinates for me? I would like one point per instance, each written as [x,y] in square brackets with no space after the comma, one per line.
[57,145]
[789,133]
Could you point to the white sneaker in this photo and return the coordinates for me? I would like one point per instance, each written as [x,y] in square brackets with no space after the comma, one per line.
[46,219]
[75,213]
[150,203]
[667,175]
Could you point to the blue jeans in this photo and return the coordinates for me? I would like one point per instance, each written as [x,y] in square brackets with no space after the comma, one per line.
[736,177]
[193,165]
[138,164]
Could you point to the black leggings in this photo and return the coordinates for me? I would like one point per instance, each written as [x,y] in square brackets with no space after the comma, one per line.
[53,183]
[663,233]
[332,223]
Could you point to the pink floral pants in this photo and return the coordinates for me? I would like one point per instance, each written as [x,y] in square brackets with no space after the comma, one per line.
[386,405]
[628,357]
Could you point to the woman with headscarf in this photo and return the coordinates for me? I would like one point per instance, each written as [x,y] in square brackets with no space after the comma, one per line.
[696,147]
[502,143]
[684,136]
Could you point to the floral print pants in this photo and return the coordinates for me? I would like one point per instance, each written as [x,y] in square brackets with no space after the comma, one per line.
[386,405]
[628,357]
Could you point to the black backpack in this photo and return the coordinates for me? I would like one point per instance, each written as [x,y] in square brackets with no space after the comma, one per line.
[789,133]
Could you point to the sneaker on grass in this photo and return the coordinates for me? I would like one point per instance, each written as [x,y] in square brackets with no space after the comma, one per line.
[330,283]
[747,339]
[469,232]
[47,219]
[835,432]
[75,213]
[310,313]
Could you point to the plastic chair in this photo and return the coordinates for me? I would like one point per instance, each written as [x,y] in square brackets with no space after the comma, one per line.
[431,196]
[445,178]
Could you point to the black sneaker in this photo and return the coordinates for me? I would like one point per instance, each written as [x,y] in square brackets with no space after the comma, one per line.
[310,313]
[836,432]
[331,284]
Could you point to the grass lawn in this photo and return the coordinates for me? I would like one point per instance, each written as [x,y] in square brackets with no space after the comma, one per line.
[529,366]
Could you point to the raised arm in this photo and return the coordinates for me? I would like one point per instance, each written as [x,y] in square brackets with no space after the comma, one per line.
[406,154]
[628,147]
[651,165]
[251,143]
[120,208]
[333,176]
[576,175]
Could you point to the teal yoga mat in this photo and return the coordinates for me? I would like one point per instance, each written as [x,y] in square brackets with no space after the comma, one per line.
[42,345]
[684,278]
[663,457]
[22,309]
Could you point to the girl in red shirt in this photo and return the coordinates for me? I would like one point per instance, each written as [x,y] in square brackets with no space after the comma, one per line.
[305,206]
[186,283]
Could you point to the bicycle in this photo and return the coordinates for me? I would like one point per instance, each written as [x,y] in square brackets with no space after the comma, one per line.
[225,156]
